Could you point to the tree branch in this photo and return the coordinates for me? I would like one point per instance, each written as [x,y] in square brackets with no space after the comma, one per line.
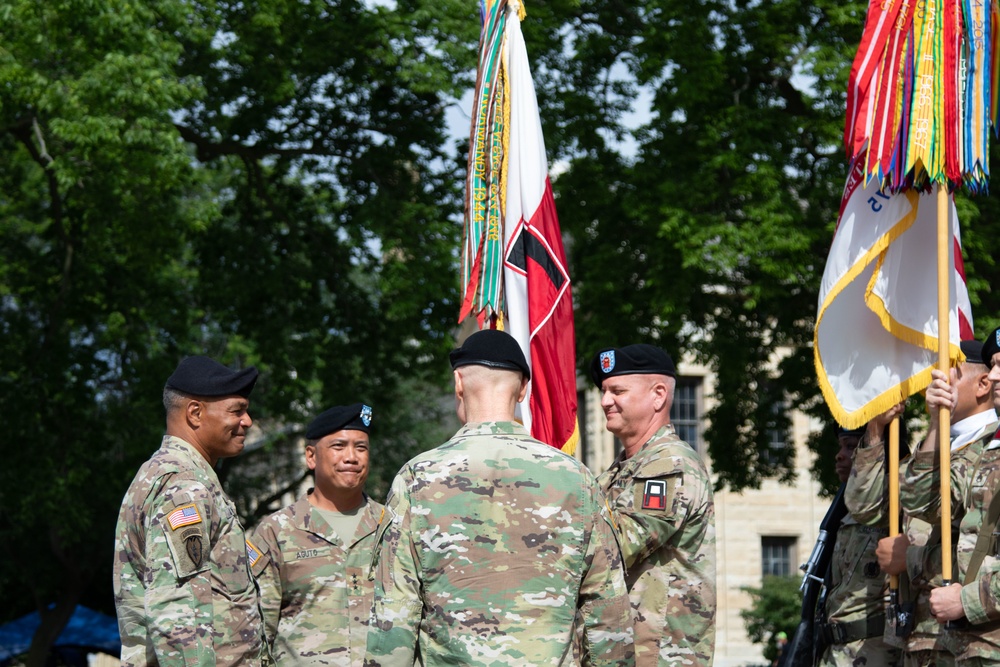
[207,150]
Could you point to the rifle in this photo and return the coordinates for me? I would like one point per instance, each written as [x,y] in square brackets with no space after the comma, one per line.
[801,650]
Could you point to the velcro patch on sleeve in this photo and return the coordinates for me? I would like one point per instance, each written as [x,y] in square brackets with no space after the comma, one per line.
[655,495]
[186,515]
[253,553]
[190,549]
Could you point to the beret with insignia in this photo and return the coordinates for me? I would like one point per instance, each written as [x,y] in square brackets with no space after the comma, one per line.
[492,348]
[203,376]
[990,347]
[356,417]
[637,359]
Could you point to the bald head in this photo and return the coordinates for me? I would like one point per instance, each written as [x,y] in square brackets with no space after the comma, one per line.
[484,394]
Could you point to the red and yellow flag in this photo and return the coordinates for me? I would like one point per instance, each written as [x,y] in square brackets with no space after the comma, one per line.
[525,287]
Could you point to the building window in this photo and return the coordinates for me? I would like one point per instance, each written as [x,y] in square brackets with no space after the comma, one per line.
[685,412]
[777,555]
[777,437]
[583,426]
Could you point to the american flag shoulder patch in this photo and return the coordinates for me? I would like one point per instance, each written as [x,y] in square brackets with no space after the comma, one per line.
[253,553]
[184,516]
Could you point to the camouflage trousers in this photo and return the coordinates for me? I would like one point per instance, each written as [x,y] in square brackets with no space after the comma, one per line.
[928,658]
[871,652]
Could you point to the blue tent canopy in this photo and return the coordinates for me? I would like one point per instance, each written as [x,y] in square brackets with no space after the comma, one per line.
[87,629]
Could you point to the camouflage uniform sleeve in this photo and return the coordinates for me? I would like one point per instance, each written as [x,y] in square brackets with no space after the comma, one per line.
[178,599]
[267,571]
[981,598]
[868,485]
[643,530]
[604,602]
[919,490]
[396,612]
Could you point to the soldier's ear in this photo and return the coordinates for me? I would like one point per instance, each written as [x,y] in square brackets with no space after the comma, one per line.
[194,412]
[660,395]
[524,389]
[984,387]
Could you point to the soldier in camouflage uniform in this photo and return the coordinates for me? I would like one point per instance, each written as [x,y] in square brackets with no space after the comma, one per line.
[915,554]
[661,496]
[853,630]
[313,572]
[182,581]
[974,601]
[494,545]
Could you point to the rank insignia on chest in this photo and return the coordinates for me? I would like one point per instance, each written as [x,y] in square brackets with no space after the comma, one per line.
[654,496]
[184,516]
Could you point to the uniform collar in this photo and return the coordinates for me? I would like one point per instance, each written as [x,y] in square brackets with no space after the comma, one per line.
[187,452]
[310,520]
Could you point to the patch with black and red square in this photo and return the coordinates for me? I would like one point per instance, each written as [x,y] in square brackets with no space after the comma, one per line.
[654,495]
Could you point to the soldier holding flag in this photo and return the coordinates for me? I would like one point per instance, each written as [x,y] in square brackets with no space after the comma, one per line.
[972,602]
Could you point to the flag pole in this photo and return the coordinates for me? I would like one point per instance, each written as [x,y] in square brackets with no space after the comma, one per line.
[944,364]
[894,495]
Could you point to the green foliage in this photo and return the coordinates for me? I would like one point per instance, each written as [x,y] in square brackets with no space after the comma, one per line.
[704,227]
[270,182]
[264,182]
[776,607]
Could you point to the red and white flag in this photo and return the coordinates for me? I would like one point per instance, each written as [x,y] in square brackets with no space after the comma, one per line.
[876,329]
[536,281]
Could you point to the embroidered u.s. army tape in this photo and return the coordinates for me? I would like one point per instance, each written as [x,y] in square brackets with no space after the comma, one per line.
[184,516]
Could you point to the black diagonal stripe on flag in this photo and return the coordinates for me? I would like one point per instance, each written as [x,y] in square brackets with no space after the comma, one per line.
[529,246]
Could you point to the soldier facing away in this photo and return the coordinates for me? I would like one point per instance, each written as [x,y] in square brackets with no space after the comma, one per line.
[313,571]
[183,588]
[494,545]
[661,496]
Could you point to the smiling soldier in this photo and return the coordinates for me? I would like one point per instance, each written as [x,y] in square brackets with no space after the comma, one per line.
[312,569]
[661,495]
[182,585]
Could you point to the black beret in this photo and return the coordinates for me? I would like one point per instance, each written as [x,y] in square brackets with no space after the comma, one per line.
[356,417]
[973,351]
[859,431]
[638,359]
[991,347]
[202,376]
[492,348]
